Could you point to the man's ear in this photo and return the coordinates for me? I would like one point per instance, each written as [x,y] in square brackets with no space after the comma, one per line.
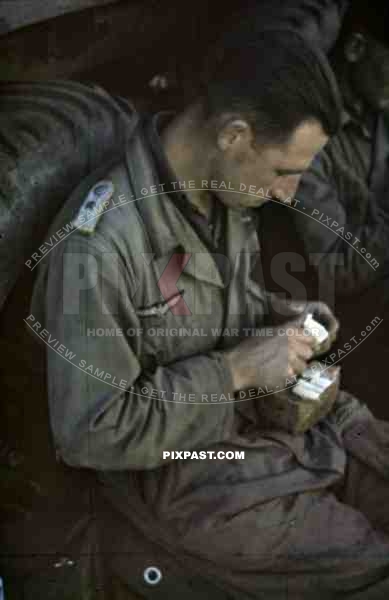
[234,134]
[355,47]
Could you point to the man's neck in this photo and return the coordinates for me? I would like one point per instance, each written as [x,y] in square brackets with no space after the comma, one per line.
[182,148]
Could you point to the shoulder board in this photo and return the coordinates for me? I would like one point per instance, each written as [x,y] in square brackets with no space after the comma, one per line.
[94,205]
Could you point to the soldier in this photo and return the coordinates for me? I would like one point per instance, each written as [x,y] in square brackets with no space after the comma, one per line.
[349,178]
[144,308]
[342,219]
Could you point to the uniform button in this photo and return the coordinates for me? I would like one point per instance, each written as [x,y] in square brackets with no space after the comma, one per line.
[152,575]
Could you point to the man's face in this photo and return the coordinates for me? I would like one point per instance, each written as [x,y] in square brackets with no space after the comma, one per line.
[369,70]
[275,168]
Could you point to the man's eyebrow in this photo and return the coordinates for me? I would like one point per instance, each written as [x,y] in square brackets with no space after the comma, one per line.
[283,172]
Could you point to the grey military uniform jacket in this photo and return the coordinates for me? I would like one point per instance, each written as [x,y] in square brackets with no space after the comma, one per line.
[119,399]
[127,336]
[142,306]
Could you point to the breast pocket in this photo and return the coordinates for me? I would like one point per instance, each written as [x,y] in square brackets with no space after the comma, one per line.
[166,332]
[168,336]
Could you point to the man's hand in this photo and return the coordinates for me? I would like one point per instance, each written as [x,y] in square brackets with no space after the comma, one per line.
[322,313]
[282,310]
[259,362]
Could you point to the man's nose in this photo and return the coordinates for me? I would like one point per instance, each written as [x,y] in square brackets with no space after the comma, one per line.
[285,187]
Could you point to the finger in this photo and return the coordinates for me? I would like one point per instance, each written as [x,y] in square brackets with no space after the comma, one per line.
[302,338]
[291,373]
[333,371]
[297,365]
[304,352]
[322,348]
[326,315]
[295,309]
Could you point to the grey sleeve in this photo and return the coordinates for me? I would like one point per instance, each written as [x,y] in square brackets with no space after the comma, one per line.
[354,255]
[104,414]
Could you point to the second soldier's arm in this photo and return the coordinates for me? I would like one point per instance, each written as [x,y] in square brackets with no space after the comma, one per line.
[354,254]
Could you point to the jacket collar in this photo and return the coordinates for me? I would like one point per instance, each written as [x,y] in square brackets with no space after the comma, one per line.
[166,226]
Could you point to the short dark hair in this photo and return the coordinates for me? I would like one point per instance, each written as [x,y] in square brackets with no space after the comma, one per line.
[277,81]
